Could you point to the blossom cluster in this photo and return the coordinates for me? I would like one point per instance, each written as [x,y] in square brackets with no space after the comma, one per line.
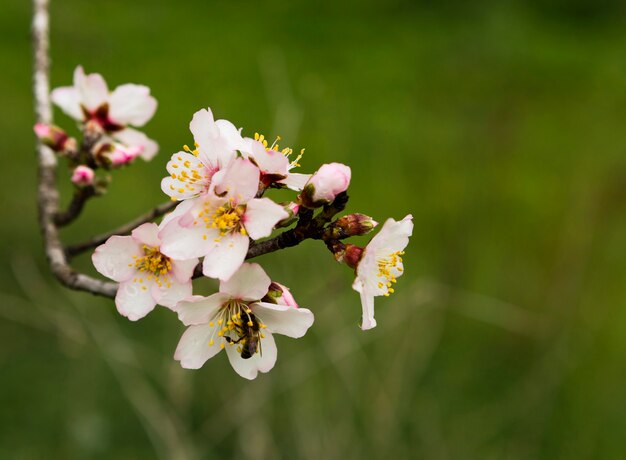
[222,212]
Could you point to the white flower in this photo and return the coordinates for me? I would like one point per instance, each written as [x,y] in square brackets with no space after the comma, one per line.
[218,225]
[381,264]
[192,172]
[236,320]
[89,100]
[146,276]
[273,163]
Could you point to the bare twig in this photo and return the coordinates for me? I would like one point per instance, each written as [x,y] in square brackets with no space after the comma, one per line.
[47,194]
[75,207]
[125,229]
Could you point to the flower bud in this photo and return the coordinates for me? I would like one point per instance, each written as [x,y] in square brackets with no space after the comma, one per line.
[123,154]
[351,225]
[280,295]
[292,209]
[349,254]
[328,182]
[52,136]
[83,176]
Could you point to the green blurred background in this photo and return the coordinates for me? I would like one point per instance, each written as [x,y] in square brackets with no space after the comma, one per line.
[499,126]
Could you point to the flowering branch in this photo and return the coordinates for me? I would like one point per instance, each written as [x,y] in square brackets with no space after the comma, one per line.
[218,218]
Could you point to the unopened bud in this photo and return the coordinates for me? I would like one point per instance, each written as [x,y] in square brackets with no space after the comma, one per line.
[52,136]
[292,209]
[280,295]
[349,254]
[123,154]
[83,176]
[351,225]
[323,186]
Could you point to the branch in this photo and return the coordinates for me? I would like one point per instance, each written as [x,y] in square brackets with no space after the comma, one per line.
[96,241]
[47,193]
[75,207]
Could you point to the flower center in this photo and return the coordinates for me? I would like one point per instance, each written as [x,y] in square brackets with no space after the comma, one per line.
[388,269]
[192,175]
[225,218]
[154,264]
[239,326]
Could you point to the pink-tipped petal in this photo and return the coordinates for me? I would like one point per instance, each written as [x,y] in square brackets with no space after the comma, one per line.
[281,319]
[250,282]
[134,299]
[200,310]
[147,234]
[259,362]
[193,349]
[261,215]
[132,104]
[131,137]
[240,181]
[114,259]
[226,256]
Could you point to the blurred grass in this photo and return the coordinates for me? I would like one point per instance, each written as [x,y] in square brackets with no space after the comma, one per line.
[499,127]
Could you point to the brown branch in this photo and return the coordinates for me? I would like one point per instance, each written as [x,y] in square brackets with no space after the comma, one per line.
[75,207]
[47,193]
[125,229]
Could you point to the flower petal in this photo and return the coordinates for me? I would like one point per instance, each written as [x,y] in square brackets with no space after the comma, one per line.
[226,256]
[92,89]
[230,134]
[134,300]
[199,310]
[131,137]
[132,104]
[281,319]
[261,215]
[114,259]
[262,361]
[367,303]
[270,162]
[240,181]
[170,292]
[183,269]
[393,236]
[147,234]
[188,177]
[250,282]
[182,243]
[193,349]
[295,181]
[68,100]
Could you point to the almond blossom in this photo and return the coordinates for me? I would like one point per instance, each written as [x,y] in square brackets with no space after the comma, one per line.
[219,224]
[89,101]
[235,319]
[147,277]
[191,172]
[380,264]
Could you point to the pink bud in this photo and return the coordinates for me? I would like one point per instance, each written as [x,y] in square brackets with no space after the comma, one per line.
[123,154]
[52,136]
[292,209]
[352,225]
[280,295]
[83,176]
[328,182]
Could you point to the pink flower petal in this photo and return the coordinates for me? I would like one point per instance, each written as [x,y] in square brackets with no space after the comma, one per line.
[226,256]
[240,181]
[147,234]
[131,137]
[134,300]
[92,89]
[250,282]
[295,181]
[170,292]
[183,269]
[114,259]
[181,243]
[261,215]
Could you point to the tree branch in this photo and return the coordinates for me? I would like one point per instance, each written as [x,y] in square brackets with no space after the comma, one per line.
[125,229]
[47,193]
[75,207]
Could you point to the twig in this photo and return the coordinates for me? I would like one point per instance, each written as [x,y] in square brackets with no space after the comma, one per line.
[125,229]
[75,207]
[47,193]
